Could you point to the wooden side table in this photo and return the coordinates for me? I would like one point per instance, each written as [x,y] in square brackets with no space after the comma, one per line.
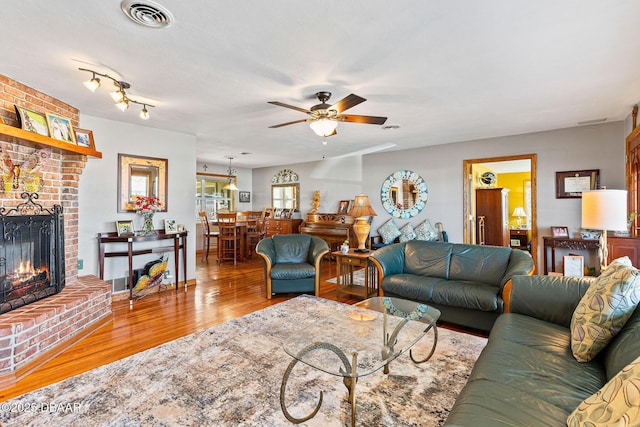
[346,264]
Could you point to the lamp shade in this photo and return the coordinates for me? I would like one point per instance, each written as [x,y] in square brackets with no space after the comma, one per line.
[519,212]
[361,207]
[604,210]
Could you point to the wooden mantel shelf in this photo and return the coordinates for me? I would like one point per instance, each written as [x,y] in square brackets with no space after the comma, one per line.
[16,136]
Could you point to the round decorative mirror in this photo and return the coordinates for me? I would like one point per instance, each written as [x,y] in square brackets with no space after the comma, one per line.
[404,194]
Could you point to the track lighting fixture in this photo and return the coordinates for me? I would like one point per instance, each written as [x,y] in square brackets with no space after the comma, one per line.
[119,96]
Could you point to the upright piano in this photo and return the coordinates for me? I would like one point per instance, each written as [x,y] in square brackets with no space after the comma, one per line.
[332,228]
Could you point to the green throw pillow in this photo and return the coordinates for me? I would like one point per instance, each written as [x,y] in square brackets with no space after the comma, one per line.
[615,404]
[604,309]
[407,233]
[425,231]
[389,231]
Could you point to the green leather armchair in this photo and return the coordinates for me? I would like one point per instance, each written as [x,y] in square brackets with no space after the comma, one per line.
[292,262]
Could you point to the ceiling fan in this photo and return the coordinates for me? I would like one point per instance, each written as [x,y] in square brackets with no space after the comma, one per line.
[324,118]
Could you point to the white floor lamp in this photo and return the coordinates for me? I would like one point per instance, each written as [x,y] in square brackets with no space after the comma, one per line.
[604,210]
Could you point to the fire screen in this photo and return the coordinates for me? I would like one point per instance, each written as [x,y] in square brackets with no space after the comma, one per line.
[31,253]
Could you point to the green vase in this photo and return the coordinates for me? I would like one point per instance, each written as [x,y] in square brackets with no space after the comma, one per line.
[147,226]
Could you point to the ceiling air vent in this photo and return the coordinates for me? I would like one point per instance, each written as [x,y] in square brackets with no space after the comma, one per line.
[147,13]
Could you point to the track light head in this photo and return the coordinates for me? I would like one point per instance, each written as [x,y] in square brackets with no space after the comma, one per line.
[123,104]
[93,83]
[144,113]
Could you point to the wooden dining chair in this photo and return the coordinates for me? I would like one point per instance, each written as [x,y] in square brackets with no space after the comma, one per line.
[207,236]
[229,240]
[255,230]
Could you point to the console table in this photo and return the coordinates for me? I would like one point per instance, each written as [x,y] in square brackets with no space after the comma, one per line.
[554,243]
[179,242]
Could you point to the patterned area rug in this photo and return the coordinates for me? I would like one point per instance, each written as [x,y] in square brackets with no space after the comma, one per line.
[230,375]
[358,278]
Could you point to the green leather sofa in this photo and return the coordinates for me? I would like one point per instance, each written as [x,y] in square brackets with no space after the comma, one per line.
[292,262]
[464,282]
[526,375]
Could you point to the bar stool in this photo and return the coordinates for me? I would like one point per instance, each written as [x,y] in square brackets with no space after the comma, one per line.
[207,235]
[229,240]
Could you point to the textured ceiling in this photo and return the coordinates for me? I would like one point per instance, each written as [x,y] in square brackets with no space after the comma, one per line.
[444,71]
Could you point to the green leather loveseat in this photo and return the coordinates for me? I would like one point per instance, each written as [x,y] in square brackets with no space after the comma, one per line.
[527,375]
[463,281]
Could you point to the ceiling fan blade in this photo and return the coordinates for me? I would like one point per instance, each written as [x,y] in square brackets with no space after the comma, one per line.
[288,123]
[346,103]
[370,120]
[280,104]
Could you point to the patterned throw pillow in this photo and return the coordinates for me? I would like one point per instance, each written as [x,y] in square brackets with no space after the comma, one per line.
[425,231]
[389,231]
[615,404]
[604,309]
[407,233]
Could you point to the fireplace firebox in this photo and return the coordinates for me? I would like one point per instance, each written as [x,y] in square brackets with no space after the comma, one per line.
[31,253]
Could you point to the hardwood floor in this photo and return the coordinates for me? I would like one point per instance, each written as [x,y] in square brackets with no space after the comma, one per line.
[222,293]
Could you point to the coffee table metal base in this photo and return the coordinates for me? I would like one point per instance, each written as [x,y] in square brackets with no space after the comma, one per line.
[350,377]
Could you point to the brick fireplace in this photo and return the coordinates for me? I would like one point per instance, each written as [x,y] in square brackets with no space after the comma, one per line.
[33,333]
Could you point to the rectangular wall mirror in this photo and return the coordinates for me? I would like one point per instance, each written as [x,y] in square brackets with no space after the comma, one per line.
[141,176]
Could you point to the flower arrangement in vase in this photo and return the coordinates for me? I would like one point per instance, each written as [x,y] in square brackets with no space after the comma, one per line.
[147,206]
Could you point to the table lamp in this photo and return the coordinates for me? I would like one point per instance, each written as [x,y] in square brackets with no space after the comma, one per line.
[604,210]
[519,213]
[361,209]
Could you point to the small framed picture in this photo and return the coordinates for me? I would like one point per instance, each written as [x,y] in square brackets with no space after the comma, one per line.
[560,232]
[515,242]
[343,207]
[170,226]
[84,138]
[277,213]
[244,196]
[573,265]
[267,212]
[32,121]
[124,228]
[60,128]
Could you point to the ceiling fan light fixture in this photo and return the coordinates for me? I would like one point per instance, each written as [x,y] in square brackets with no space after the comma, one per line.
[324,127]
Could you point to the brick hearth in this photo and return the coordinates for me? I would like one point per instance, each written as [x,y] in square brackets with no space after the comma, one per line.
[32,334]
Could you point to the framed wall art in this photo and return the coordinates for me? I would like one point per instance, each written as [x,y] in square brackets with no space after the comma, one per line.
[573,265]
[244,196]
[32,121]
[60,128]
[571,184]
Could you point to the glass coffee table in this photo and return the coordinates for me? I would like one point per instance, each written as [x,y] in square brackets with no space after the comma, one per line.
[359,341]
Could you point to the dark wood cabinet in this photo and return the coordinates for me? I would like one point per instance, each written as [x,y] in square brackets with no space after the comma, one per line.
[492,218]
[519,238]
[281,226]
[624,246]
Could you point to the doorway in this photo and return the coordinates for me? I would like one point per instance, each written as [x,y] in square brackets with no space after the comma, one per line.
[516,175]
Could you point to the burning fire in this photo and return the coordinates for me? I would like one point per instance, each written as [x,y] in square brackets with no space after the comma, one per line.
[25,271]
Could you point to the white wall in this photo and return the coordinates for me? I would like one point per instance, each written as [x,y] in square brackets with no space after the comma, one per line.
[336,179]
[587,147]
[98,189]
